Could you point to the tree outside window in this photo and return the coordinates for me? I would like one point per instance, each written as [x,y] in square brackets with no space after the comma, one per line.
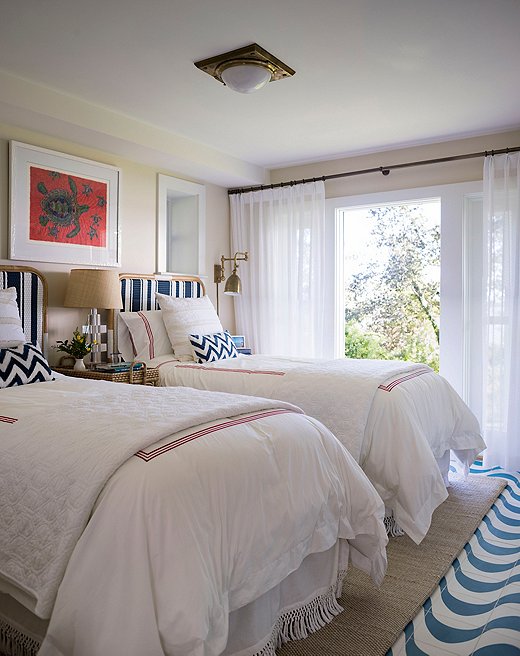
[392,283]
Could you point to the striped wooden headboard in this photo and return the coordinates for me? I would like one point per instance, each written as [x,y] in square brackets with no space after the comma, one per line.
[138,292]
[31,291]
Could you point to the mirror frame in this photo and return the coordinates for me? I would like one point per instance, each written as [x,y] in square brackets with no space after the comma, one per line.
[170,187]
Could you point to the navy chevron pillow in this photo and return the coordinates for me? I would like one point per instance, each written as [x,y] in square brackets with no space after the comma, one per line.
[209,348]
[22,365]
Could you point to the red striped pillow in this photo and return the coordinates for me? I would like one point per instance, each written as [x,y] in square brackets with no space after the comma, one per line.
[147,334]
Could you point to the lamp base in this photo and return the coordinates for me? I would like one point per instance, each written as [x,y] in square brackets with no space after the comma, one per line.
[94,328]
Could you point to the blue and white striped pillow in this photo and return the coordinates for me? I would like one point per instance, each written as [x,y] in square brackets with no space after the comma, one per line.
[210,348]
[22,365]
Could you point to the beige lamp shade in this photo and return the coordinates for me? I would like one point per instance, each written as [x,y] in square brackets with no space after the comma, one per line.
[93,288]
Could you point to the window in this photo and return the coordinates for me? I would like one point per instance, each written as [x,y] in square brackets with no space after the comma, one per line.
[392,281]
[454,349]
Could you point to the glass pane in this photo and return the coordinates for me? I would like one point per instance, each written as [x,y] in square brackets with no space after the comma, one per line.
[392,282]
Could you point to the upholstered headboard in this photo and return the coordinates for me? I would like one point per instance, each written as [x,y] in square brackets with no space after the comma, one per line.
[138,293]
[31,291]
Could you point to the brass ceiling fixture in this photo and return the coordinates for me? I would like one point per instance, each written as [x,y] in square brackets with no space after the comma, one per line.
[246,69]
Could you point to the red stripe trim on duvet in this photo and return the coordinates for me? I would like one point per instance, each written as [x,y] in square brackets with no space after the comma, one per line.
[390,386]
[8,420]
[234,371]
[149,455]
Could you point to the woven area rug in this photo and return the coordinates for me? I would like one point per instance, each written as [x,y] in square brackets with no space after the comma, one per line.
[374,618]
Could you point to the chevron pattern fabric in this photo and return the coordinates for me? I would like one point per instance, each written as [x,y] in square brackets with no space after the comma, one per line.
[210,348]
[22,365]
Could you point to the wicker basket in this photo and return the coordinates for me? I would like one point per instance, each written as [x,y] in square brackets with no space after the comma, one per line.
[141,376]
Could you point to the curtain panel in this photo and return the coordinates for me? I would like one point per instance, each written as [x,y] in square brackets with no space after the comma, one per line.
[281,310]
[501,302]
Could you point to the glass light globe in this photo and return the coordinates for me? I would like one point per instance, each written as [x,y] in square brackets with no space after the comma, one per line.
[246,78]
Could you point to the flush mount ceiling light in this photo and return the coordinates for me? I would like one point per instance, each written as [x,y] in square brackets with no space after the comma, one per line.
[246,69]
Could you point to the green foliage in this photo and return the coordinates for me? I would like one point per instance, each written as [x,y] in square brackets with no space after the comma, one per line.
[361,345]
[78,347]
[392,302]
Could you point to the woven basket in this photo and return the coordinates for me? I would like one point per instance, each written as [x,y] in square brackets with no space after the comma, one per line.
[142,376]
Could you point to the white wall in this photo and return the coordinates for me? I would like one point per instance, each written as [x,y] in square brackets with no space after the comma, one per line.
[138,191]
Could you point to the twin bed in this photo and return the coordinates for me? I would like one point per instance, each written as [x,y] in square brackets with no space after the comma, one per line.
[140,520]
[402,422]
[181,521]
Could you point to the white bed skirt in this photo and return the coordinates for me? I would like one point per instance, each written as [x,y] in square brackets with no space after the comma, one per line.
[302,603]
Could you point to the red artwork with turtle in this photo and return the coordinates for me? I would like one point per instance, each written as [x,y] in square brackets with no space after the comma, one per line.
[67,209]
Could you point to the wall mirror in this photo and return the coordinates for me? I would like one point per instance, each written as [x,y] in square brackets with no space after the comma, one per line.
[181,232]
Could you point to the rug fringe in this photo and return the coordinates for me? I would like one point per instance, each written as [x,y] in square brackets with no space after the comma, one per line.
[16,643]
[299,623]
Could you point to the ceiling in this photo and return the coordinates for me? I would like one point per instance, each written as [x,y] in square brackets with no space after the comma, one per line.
[370,75]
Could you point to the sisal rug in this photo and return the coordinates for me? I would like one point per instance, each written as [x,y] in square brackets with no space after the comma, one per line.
[373,618]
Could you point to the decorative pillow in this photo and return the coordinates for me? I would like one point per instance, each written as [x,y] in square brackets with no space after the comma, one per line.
[11,331]
[187,316]
[147,334]
[22,365]
[209,348]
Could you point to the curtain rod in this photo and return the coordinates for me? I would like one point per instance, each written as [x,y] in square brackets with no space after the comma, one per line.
[385,170]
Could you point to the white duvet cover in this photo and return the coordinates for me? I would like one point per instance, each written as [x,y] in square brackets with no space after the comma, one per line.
[395,418]
[153,552]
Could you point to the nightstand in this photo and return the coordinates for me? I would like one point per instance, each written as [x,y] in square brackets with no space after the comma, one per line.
[142,376]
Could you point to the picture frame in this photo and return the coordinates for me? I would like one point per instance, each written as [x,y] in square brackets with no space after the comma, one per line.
[239,341]
[63,209]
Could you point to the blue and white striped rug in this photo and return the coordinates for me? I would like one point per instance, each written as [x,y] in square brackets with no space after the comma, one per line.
[476,607]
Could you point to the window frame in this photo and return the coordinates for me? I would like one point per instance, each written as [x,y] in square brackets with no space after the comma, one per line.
[454,350]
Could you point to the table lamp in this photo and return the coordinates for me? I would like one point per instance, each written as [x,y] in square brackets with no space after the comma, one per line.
[94,288]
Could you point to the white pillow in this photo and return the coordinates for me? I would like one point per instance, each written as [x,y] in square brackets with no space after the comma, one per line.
[11,331]
[187,316]
[147,334]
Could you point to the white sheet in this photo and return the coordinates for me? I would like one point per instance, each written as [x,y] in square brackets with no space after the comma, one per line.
[395,418]
[183,536]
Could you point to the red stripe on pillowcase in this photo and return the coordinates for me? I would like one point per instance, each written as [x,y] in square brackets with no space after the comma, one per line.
[149,332]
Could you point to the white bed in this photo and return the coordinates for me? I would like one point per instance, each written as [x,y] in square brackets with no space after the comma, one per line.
[139,520]
[401,421]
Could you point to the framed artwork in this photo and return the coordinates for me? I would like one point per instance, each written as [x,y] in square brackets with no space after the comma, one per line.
[63,208]
[239,340]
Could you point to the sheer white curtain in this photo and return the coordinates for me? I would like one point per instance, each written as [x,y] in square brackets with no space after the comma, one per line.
[281,309]
[501,321]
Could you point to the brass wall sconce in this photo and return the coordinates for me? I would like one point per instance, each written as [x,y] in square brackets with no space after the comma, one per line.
[233,285]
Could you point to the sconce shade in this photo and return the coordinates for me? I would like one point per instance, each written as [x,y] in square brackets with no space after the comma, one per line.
[93,288]
[245,78]
[233,285]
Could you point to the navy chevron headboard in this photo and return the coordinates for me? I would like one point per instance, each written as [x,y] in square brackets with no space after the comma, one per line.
[31,291]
